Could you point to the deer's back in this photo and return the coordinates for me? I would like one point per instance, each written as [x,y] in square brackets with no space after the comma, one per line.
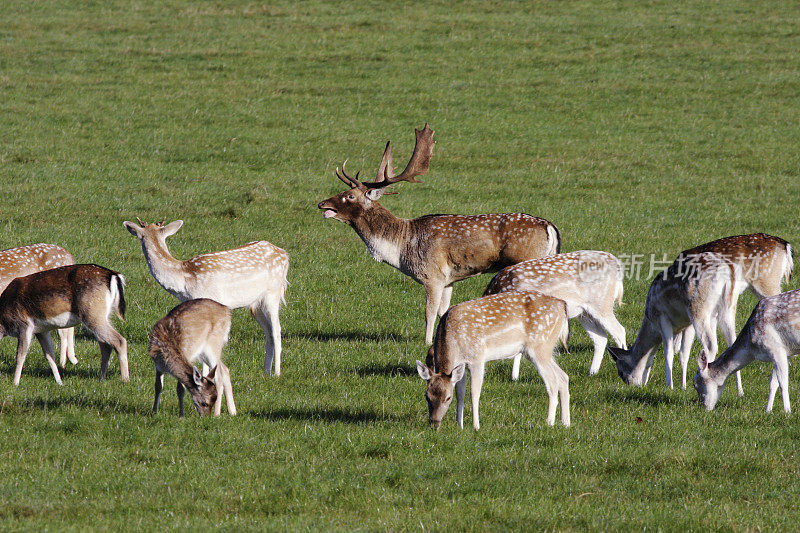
[25,260]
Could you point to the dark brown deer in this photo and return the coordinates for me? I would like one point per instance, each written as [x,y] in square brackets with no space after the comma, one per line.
[435,250]
[62,298]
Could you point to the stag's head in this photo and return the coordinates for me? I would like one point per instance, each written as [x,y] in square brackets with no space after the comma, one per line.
[439,392]
[155,231]
[350,205]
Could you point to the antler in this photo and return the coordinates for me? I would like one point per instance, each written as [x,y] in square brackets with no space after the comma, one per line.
[349,181]
[139,220]
[417,165]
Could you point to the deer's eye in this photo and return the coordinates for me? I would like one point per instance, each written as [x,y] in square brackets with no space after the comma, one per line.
[351,197]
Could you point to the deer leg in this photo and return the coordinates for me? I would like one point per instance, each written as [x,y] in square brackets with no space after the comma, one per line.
[447,293]
[23,344]
[782,367]
[773,388]
[159,386]
[563,394]
[433,299]
[47,347]
[667,340]
[727,323]
[475,384]
[266,314]
[687,339]
[599,339]
[515,367]
[179,390]
[108,338]
[608,321]
[229,391]
[62,347]
[461,388]
[219,381]
[105,356]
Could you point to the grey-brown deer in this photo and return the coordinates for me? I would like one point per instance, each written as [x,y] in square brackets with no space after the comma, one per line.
[24,260]
[771,334]
[589,281]
[495,327]
[62,298]
[435,250]
[195,330]
[252,276]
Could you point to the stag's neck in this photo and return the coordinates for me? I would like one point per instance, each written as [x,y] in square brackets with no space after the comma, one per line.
[736,357]
[167,271]
[644,347]
[384,234]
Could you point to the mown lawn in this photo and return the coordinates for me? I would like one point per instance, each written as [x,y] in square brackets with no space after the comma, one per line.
[636,127]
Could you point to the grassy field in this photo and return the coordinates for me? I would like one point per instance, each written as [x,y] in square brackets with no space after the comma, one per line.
[636,127]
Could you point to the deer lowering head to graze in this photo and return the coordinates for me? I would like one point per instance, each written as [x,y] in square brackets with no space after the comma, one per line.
[62,298]
[495,327]
[24,260]
[771,334]
[252,276]
[435,250]
[590,282]
[195,330]
[689,297]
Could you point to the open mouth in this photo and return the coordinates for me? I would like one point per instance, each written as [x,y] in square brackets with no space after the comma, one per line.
[329,213]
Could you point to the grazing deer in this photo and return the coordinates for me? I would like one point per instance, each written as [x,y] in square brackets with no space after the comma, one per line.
[771,334]
[435,250]
[24,260]
[62,298]
[495,327]
[590,282]
[698,292]
[195,330]
[253,276]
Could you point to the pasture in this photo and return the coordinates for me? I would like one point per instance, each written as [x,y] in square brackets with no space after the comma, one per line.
[635,127]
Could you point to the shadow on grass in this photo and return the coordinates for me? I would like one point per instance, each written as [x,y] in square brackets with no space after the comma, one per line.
[644,396]
[83,403]
[327,336]
[324,415]
[70,371]
[391,370]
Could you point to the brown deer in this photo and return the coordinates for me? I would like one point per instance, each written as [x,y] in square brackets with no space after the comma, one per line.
[24,260]
[252,276]
[435,250]
[62,298]
[195,330]
[771,334]
[489,328]
[590,282]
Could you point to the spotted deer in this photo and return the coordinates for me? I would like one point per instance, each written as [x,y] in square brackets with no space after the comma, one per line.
[195,330]
[493,327]
[252,276]
[63,297]
[24,260]
[435,250]
[590,282]
[690,296]
[771,334]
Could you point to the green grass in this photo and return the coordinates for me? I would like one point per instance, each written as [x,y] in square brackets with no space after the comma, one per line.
[636,127]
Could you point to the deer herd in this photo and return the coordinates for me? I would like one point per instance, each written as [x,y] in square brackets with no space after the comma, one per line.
[524,311]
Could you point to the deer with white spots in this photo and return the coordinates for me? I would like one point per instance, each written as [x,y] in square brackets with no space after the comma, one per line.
[435,250]
[495,327]
[63,297]
[195,330]
[590,282]
[690,296]
[24,260]
[252,276]
[771,334]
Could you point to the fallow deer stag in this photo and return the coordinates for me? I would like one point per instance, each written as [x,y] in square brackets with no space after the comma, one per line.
[697,294]
[62,298]
[771,334]
[590,282]
[495,327]
[194,330]
[435,250]
[25,260]
[253,276]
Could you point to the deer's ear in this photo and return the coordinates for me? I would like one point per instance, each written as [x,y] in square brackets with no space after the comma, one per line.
[423,371]
[374,194]
[458,373]
[197,376]
[212,373]
[171,228]
[133,228]
[702,361]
